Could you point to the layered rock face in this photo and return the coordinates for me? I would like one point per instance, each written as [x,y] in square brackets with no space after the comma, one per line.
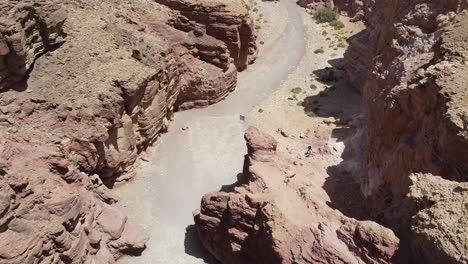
[27,29]
[228,21]
[268,220]
[103,79]
[50,212]
[417,83]
[355,9]
[413,79]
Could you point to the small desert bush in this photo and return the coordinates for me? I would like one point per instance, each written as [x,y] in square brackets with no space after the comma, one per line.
[296,90]
[313,87]
[330,16]
[319,51]
[336,24]
[325,15]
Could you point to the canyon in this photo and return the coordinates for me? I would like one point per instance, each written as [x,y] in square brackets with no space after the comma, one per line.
[118,117]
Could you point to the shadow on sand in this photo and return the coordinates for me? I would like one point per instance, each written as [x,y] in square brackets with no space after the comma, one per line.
[193,246]
[341,102]
[192,243]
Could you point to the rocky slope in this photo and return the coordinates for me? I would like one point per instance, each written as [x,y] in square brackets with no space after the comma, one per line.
[355,9]
[268,219]
[413,57]
[87,86]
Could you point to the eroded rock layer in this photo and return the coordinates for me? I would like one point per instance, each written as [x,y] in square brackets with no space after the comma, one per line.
[86,87]
[228,21]
[267,220]
[410,64]
[355,9]
[440,224]
[27,29]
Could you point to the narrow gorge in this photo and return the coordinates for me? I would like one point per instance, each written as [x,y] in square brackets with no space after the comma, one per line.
[233,131]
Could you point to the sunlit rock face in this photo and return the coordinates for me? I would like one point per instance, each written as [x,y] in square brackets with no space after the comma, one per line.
[409,65]
[266,220]
[86,86]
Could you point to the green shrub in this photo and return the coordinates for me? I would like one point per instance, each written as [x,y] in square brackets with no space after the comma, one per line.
[296,90]
[341,45]
[260,110]
[324,33]
[325,15]
[336,24]
[258,27]
[313,86]
[300,103]
[319,51]
[262,42]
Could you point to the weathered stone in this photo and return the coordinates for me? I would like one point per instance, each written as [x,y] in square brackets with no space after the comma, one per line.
[265,220]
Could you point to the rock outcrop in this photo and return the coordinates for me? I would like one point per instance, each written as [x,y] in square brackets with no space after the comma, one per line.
[28,29]
[267,220]
[228,21]
[417,83]
[50,212]
[439,226]
[103,79]
[410,64]
[355,9]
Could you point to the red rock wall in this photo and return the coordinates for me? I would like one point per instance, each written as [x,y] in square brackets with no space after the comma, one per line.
[85,111]
[355,9]
[235,29]
[408,64]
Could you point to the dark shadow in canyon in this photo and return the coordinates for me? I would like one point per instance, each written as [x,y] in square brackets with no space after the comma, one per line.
[340,101]
[193,246]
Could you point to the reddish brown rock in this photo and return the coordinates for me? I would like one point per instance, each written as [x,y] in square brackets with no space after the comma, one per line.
[229,22]
[48,220]
[89,106]
[266,220]
[410,65]
[20,45]
[355,9]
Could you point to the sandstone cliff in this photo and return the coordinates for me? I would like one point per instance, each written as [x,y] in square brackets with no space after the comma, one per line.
[266,219]
[410,64]
[86,87]
[355,9]
[27,29]
[228,21]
